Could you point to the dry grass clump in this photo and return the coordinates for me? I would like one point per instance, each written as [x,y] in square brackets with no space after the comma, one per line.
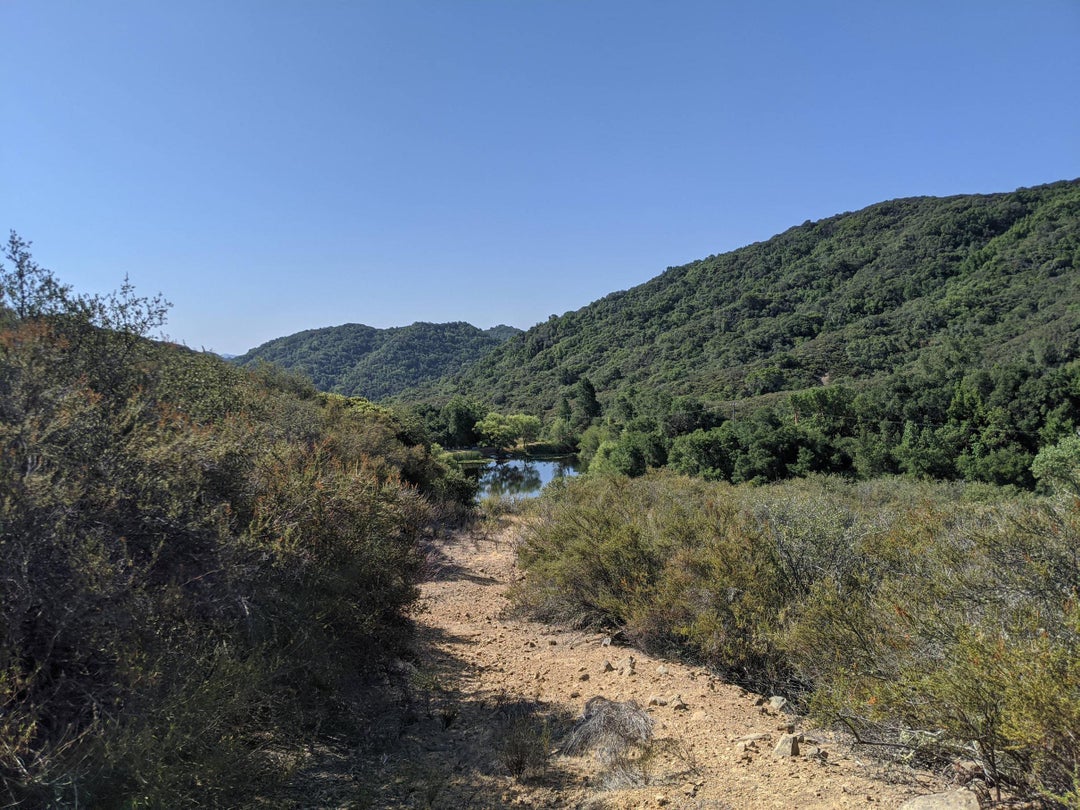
[610,728]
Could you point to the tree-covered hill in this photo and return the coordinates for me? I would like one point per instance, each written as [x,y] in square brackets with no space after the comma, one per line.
[849,297]
[354,359]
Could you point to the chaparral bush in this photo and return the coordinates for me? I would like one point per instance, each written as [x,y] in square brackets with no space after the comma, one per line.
[936,620]
[197,564]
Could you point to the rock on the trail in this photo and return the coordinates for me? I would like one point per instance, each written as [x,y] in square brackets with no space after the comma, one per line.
[777,703]
[661,670]
[788,746]
[626,666]
[953,800]
[658,700]
[753,737]
[608,667]
[678,704]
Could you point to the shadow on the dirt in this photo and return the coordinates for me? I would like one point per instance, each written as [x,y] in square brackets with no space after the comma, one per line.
[439,567]
[438,741]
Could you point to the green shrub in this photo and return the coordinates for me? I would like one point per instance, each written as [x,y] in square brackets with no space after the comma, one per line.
[937,620]
[194,561]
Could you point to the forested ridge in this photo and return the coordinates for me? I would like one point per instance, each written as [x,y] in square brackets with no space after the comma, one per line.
[354,359]
[848,297]
[931,336]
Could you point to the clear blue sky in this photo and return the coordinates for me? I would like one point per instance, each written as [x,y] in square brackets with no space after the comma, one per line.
[276,166]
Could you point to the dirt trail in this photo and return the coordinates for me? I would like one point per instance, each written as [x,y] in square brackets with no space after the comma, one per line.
[483,670]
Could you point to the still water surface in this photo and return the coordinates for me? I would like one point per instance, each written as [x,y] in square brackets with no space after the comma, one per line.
[522,478]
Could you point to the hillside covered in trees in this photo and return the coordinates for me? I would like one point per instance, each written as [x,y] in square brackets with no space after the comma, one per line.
[849,297]
[932,336]
[359,360]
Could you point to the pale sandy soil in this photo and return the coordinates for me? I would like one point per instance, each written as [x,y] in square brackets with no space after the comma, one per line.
[479,669]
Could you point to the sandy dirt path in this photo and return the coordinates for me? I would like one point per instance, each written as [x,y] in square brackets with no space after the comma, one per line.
[489,684]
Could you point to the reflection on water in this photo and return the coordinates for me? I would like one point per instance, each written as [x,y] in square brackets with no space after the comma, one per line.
[522,478]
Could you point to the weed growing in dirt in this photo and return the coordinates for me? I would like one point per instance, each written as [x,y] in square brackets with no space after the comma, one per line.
[523,739]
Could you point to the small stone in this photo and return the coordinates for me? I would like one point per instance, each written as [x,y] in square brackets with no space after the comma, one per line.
[608,667]
[753,737]
[787,728]
[661,670]
[661,800]
[777,703]
[953,800]
[606,642]
[584,676]
[788,746]
[575,694]
[657,700]
[678,704]
[552,642]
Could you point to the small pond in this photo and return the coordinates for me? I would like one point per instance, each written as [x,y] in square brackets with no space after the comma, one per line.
[522,477]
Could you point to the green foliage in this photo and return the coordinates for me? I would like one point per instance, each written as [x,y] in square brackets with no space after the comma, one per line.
[930,337]
[28,290]
[459,417]
[505,432]
[960,627]
[194,559]
[1058,467]
[632,454]
[658,558]
[586,406]
[354,359]
[922,617]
